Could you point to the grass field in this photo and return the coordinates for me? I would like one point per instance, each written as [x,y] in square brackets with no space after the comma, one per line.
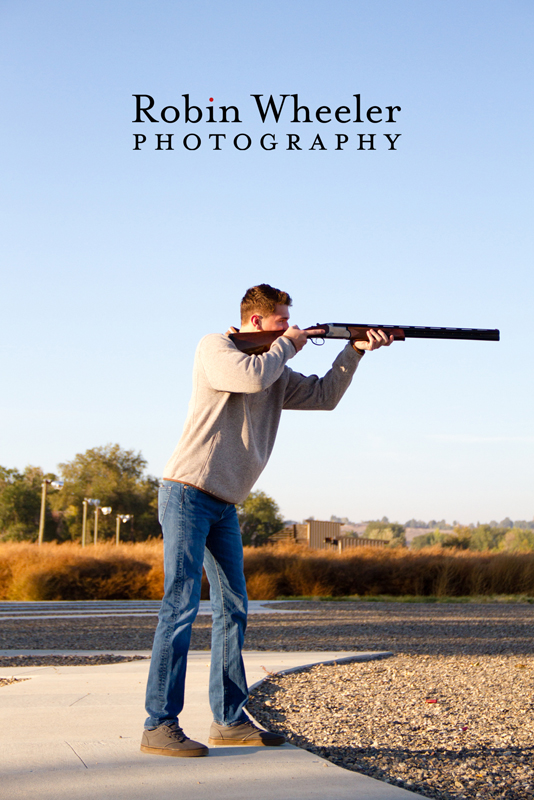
[135,572]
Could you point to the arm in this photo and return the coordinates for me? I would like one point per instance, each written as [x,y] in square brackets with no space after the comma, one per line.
[312,393]
[229,370]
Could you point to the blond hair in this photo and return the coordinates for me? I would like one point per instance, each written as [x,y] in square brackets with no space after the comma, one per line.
[262,299]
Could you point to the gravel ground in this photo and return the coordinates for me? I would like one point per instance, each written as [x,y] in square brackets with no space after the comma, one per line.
[475,660]
[64,661]
[7,681]
[444,726]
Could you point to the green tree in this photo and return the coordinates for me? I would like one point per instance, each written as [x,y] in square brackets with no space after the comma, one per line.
[524,524]
[440,525]
[114,476]
[460,538]
[518,540]
[392,532]
[427,539]
[485,537]
[20,504]
[259,517]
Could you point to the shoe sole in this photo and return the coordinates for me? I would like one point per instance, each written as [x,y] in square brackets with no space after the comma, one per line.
[241,743]
[158,751]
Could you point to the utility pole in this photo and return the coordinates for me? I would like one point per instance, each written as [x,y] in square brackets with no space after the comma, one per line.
[121,518]
[43,510]
[95,535]
[55,485]
[105,510]
[84,519]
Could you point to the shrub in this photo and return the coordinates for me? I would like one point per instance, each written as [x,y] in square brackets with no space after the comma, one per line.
[135,571]
[70,572]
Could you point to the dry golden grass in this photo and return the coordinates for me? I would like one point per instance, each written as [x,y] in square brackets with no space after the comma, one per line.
[286,570]
[70,572]
[135,571]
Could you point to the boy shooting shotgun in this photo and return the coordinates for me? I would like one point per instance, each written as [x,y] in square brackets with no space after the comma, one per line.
[227,439]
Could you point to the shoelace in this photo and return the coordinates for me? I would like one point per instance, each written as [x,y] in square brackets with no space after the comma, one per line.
[176,733]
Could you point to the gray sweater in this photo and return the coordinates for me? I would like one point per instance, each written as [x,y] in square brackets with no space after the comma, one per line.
[235,411]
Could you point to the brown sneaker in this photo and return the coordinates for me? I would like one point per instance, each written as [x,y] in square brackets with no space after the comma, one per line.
[246,733]
[170,740]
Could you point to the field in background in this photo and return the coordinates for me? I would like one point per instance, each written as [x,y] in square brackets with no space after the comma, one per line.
[135,572]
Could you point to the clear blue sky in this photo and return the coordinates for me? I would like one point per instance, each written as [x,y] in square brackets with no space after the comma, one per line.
[115,262]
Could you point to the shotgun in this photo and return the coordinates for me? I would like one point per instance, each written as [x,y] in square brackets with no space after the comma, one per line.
[258,342]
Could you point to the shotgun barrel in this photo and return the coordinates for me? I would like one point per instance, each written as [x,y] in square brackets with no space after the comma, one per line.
[349,330]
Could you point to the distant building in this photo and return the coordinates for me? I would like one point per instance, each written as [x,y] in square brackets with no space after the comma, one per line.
[321,535]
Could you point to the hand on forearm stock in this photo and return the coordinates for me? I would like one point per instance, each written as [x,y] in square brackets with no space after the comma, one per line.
[375,339]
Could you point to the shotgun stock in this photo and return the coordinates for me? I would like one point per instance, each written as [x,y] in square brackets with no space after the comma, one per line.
[258,342]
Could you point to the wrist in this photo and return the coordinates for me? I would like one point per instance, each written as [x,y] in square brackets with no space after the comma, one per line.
[360,352]
[289,338]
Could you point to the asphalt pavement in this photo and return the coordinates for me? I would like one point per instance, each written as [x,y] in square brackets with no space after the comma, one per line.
[51,609]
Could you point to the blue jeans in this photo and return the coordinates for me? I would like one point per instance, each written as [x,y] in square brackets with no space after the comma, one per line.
[198,528]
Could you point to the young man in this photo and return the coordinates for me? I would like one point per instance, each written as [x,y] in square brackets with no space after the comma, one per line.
[227,439]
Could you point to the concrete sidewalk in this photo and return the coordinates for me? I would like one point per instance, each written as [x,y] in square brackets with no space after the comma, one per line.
[73,733]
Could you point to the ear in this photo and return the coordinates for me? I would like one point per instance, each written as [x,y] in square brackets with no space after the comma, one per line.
[255,320]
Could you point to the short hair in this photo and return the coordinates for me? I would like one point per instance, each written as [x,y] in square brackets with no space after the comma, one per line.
[262,299]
